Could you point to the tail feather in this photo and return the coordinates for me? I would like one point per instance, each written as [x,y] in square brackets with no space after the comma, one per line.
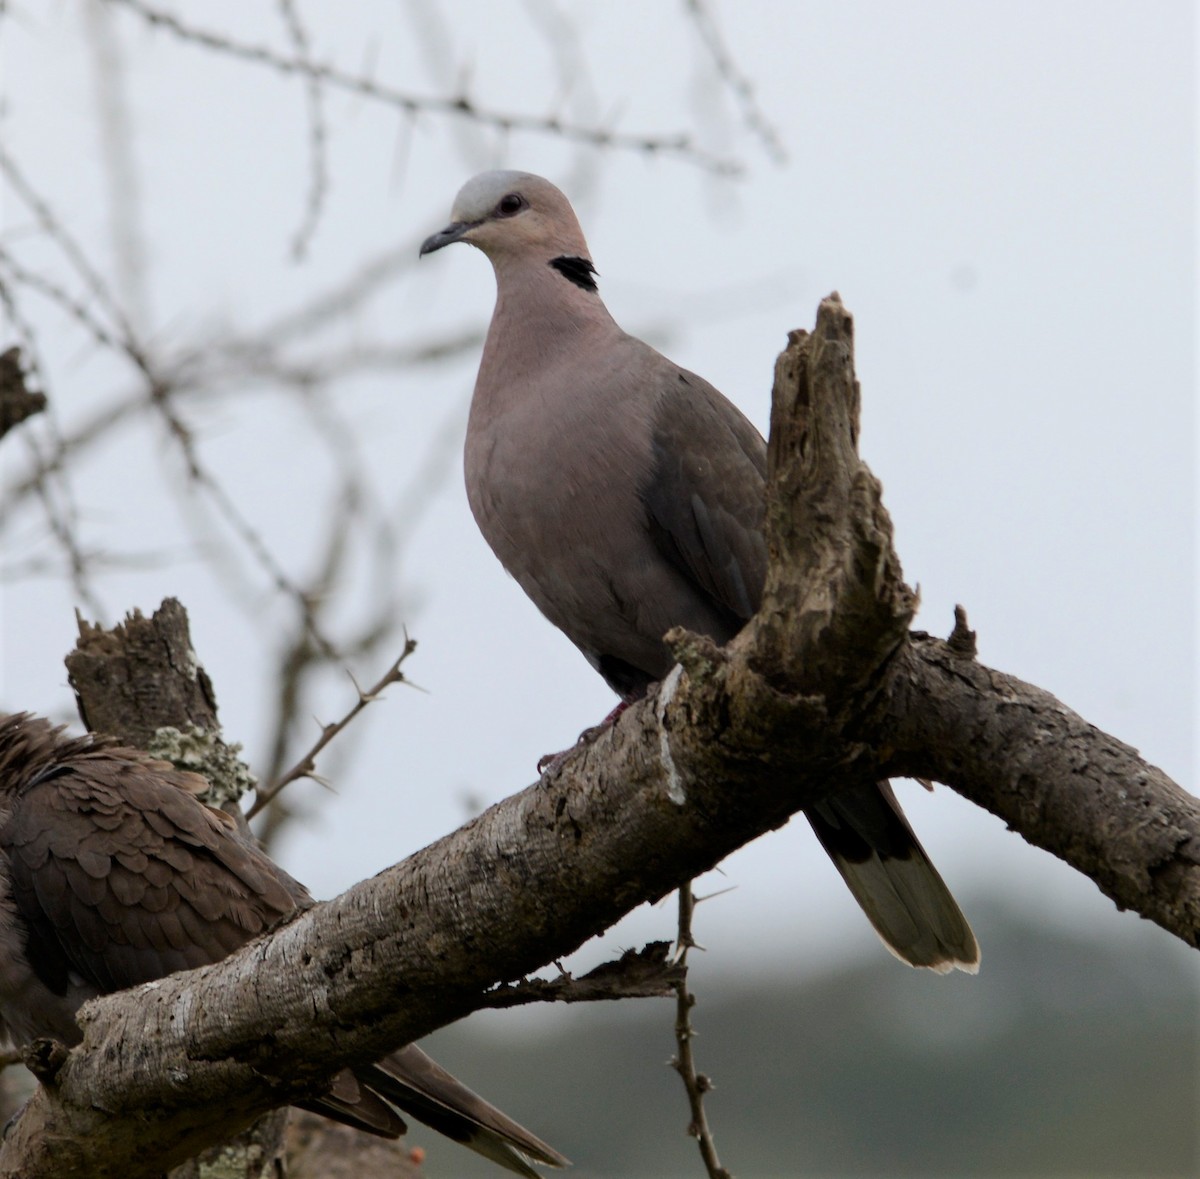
[354,1104]
[427,1092]
[905,899]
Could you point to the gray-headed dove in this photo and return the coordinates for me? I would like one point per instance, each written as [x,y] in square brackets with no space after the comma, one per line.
[112,873]
[626,496]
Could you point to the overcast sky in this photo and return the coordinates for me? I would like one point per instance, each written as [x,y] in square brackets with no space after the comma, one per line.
[1004,196]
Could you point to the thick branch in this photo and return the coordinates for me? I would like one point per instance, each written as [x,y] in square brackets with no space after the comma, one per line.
[396,956]
[835,606]
[821,691]
[1067,787]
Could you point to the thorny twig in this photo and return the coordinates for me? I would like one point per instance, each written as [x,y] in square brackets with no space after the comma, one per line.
[159,396]
[240,525]
[59,506]
[199,373]
[235,363]
[458,106]
[307,765]
[684,1062]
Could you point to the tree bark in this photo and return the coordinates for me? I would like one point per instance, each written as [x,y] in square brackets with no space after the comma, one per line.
[143,683]
[825,688]
[17,400]
[1063,784]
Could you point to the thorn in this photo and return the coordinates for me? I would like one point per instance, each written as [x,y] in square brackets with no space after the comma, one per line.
[708,896]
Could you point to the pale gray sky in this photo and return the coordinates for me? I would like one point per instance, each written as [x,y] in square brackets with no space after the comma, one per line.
[1004,195]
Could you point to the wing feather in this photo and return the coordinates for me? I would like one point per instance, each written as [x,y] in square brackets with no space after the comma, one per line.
[704,496]
[121,876]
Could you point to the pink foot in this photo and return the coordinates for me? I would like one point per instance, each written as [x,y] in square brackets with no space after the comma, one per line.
[549,762]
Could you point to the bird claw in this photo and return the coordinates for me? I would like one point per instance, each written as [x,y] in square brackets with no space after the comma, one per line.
[548,763]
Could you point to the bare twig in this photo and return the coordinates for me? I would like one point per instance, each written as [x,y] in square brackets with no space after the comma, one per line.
[114,118]
[231,363]
[345,295]
[752,114]
[301,659]
[681,144]
[307,765]
[238,523]
[684,1062]
[318,132]
[59,506]
[60,517]
[59,295]
[58,233]
[159,395]
[358,358]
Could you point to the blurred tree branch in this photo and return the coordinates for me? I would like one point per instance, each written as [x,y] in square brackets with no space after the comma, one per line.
[173,383]
[825,688]
[459,106]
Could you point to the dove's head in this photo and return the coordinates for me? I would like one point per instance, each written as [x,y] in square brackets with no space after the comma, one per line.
[512,214]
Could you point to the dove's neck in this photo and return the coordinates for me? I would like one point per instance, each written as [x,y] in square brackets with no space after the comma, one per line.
[548,313]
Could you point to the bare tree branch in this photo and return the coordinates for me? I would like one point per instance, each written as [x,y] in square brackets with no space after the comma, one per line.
[99,293]
[1063,784]
[824,689]
[457,106]
[742,88]
[318,132]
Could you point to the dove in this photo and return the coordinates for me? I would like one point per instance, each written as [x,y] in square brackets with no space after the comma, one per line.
[626,496]
[113,873]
